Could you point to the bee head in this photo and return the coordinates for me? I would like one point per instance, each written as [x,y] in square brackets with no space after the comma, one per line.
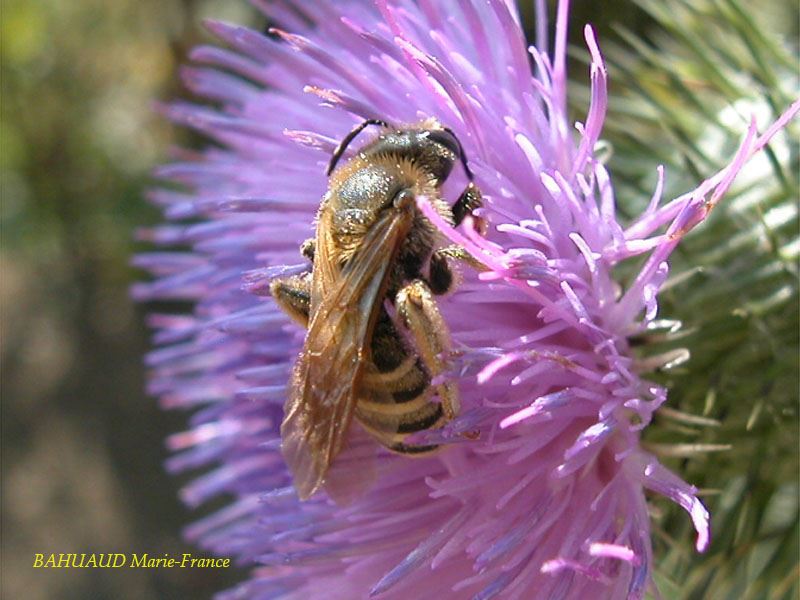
[435,149]
[432,147]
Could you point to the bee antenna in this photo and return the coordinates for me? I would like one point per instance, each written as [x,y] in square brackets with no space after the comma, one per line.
[342,147]
[461,154]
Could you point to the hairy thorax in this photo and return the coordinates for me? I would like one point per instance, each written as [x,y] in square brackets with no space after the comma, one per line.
[365,187]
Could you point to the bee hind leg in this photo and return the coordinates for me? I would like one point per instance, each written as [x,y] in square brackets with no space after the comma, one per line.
[293,295]
[419,312]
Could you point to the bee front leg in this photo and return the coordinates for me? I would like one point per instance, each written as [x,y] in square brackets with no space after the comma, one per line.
[469,200]
[419,312]
[293,295]
[308,248]
[440,277]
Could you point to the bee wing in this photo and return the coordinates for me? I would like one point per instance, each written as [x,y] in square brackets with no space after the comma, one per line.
[326,379]
[352,473]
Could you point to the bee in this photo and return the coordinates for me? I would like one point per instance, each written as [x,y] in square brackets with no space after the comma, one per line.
[376,340]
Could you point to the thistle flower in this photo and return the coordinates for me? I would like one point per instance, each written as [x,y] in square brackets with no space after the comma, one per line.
[550,496]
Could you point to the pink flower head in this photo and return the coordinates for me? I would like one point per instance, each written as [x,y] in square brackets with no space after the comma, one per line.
[548,498]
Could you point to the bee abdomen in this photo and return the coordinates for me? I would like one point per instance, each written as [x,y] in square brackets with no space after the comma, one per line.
[426,418]
[403,384]
[393,423]
[403,396]
[396,398]
[402,448]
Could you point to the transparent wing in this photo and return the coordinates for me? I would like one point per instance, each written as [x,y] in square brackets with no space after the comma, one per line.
[325,381]
[354,471]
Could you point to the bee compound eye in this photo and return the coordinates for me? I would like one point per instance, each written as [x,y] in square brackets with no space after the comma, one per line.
[446,138]
[404,200]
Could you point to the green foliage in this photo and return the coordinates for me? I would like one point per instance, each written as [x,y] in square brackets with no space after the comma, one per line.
[683,92]
[81,443]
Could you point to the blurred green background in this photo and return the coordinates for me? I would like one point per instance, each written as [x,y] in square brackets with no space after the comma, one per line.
[82,446]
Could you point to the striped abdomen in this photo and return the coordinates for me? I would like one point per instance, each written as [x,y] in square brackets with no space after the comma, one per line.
[397,397]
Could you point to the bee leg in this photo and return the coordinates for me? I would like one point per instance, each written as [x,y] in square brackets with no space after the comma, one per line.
[308,248]
[440,275]
[293,295]
[470,199]
[419,312]
[454,252]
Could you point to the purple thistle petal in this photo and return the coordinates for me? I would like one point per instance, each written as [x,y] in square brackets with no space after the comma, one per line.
[559,564]
[614,551]
[597,105]
[540,481]
[660,480]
